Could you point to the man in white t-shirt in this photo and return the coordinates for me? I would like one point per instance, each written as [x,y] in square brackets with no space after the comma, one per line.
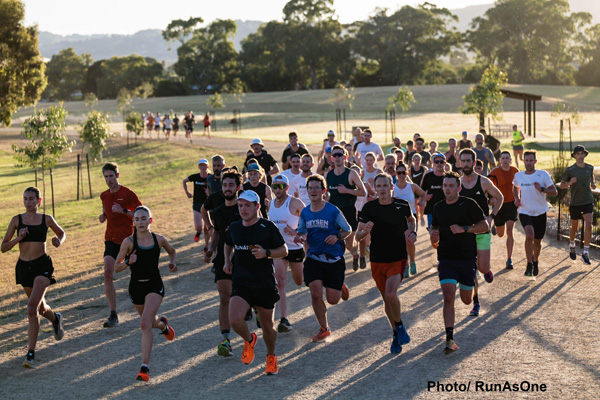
[300,191]
[367,146]
[293,174]
[530,189]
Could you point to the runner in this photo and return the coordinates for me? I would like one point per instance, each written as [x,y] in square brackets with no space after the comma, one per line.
[530,189]
[328,143]
[391,224]
[294,173]
[389,166]
[306,167]
[292,148]
[432,185]
[149,123]
[408,191]
[465,143]
[255,173]
[367,146]
[451,155]
[517,144]
[284,213]
[141,252]
[175,126]
[118,203]
[433,147]
[580,178]
[221,217]
[456,220]
[325,163]
[200,181]
[503,176]
[189,125]
[34,270]
[157,121]
[214,179]
[484,154]
[409,152]
[480,189]
[491,143]
[206,122]
[167,124]
[256,241]
[344,187]
[265,160]
[323,226]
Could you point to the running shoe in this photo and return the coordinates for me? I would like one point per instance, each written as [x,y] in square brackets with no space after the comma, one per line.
[355,264]
[396,347]
[403,337]
[224,349]
[572,253]
[585,257]
[535,269]
[451,347]
[406,272]
[413,268]
[321,335]
[111,322]
[272,368]
[363,263]
[168,332]
[248,316]
[284,326]
[509,264]
[59,332]
[475,311]
[529,270]
[143,375]
[489,276]
[29,363]
[248,352]
[345,292]
[197,237]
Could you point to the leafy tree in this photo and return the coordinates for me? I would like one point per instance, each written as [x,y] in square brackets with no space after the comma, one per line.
[569,111]
[66,72]
[22,78]
[235,90]
[180,30]
[134,73]
[134,123]
[589,71]
[486,98]
[215,101]
[403,99]
[90,100]
[93,132]
[343,96]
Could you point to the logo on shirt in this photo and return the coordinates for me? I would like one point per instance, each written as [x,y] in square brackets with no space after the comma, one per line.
[317,223]
[242,247]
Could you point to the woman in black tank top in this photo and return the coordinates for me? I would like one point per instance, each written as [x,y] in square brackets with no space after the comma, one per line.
[34,270]
[140,252]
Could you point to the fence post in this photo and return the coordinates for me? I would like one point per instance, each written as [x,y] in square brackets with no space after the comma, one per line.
[78,165]
[559,212]
[52,190]
[36,178]
[87,161]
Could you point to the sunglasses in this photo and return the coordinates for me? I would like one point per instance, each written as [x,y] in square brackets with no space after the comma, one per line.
[279,186]
[336,155]
[440,162]
[400,172]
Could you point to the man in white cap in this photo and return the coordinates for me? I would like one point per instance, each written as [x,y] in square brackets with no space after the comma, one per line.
[265,160]
[200,181]
[284,213]
[256,242]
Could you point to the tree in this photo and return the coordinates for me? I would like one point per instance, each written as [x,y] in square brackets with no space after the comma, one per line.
[215,101]
[343,96]
[22,78]
[486,98]
[66,72]
[589,71]
[93,132]
[403,99]
[47,142]
[236,90]
[180,30]
[134,73]
[134,123]
[90,100]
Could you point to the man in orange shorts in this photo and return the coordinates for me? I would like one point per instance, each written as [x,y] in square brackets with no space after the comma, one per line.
[390,223]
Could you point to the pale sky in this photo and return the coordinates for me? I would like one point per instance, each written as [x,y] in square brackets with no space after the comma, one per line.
[86,17]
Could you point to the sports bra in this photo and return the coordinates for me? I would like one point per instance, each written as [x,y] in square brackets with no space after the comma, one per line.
[146,265]
[37,233]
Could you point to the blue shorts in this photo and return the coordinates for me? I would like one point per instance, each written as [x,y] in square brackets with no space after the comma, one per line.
[429,220]
[460,272]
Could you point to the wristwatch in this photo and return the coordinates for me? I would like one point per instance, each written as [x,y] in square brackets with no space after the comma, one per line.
[466,228]
[268,253]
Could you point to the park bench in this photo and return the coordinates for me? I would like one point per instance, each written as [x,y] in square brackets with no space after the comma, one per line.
[501,129]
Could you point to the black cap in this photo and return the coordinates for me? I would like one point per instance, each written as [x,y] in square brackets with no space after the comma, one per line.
[579,148]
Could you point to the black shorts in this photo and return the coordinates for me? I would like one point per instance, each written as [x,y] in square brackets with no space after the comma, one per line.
[577,212]
[538,223]
[26,271]
[197,206]
[219,273]
[295,256]
[111,249]
[508,212]
[332,274]
[461,272]
[157,127]
[519,147]
[351,216]
[264,297]
[139,290]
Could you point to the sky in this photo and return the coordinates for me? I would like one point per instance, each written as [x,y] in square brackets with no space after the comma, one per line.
[65,17]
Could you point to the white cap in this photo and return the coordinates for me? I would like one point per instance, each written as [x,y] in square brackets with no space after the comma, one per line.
[249,195]
[203,161]
[331,132]
[257,141]
[281,178]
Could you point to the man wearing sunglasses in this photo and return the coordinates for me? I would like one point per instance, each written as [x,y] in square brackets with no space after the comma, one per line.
[432,185]
[344,187]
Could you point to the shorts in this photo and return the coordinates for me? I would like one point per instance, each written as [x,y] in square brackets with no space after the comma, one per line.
[219,273]
[156,127]
[429,221]
[519,147]
[27,271]
[538,223]
[168,130]
[111,249]
[197,206]
[508,212]
[461,272]
[577,212]
[139,290]
[331,274]
[382,271]
[416,223]
[263,297]
[351,216]
[484,241]
[295,256]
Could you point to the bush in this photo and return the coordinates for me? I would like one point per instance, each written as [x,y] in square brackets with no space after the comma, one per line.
[168,88]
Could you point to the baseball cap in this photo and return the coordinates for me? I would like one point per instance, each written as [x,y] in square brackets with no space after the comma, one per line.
[249,195]
[203,161]
[257,141]
[281,178]
[327,149]
[331,132]
[464,132]
[253,167]
[438,154]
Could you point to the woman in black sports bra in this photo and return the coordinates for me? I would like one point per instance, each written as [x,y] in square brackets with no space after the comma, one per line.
[140,253]
[34,270]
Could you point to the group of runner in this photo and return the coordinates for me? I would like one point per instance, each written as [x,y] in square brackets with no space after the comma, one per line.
[259,220]
[170,122]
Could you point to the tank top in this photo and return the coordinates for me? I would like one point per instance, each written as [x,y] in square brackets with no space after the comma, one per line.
[464,145]
[517,140]
[369,175]
[336,198]
[146,265]
[406,194]
[281,217]
[361,201]
[417,176]
[478,194]
[37,233]
[261,191]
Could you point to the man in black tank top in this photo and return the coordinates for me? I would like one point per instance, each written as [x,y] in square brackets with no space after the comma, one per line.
[480,188]
[344,187]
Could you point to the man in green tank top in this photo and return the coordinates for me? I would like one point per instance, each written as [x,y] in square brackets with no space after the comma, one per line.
[517,144]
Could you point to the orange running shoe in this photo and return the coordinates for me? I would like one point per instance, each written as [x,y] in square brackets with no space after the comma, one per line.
[321,335]
[272,368]
[248,352]
[345,292]
[451,347]
[168,332]
[144,375]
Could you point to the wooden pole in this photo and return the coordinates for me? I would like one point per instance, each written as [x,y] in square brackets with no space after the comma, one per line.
[52,191]
[240,120]
[87,161]
[345,130]
[78,166]
[36,178]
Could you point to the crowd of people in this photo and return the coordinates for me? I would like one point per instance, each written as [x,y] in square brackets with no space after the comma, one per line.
[170,123]
[259,219]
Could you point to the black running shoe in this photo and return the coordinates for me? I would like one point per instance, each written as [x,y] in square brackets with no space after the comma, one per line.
[284,326]
[509,264]
[113,321]
[355,264]
[59,331]
[529,270]
[572,253]
[535,268]
[363,263]
[586,258]
[489,276]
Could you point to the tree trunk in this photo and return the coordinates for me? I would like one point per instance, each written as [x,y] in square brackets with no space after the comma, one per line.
[52,191]
[481,121]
